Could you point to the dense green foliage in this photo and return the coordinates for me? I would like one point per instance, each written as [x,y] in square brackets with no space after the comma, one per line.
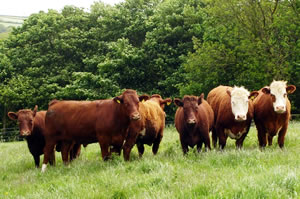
[248,173]
[170,47]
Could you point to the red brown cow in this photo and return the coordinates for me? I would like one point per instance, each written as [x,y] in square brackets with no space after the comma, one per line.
[32,127]
[233,113]
[272,110]
[106,121]
[193,120]
[152,123]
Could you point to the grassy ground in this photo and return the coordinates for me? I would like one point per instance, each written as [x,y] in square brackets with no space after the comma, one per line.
[247,173]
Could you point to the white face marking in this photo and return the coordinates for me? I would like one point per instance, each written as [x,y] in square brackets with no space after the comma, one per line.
[278,89]
[44,166]
[239,103]
[234,136]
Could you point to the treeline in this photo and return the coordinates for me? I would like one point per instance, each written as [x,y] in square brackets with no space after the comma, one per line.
[170,47]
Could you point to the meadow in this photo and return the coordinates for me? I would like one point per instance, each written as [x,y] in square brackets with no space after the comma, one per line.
[246,173]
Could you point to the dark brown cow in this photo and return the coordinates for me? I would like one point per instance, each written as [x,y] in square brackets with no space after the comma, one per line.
[193,120]
[152,123]
[32,127]
[106,121]
[272,111]
[233,113]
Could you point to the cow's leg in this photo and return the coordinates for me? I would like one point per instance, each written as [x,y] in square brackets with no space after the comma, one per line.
[281,136]
[141,149]
[157,141]
[104,146]
[36,160]
[222,138]
[239,142]
[262,137]
[206,140]
[65,151]
[199,146]
[48,150]
[129,143]
[75,151]
[270,139]
[214,137]
[184,147]
[52,158]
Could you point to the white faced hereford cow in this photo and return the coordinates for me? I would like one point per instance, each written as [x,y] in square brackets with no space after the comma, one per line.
[272,112]
[233,113]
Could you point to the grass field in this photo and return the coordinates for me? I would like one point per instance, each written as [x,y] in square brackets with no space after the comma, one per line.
[247,173]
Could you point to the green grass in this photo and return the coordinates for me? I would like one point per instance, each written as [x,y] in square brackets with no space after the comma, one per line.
[246,173]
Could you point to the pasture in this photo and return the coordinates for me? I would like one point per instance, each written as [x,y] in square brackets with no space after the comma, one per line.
[246,173]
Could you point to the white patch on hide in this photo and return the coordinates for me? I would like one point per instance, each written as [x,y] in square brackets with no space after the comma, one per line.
[143,132]
[234,136]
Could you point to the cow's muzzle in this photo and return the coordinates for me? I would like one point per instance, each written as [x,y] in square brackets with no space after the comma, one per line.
[135,116]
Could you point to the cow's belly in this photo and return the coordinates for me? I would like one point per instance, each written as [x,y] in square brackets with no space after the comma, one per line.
[235,134]
[274,131]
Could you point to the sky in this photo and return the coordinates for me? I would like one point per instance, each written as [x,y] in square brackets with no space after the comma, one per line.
[28,7]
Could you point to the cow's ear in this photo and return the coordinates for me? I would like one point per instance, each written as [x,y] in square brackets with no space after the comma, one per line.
[228,92]
[12,115]
[178,102]
[253,95]
[118,100]
[290,89]
[167,101]
[266,90]
[201,98]
[144,98]
[35,110]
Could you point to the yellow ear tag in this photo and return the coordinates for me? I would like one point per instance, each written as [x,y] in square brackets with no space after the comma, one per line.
[143,100]
[252,97]
[119,101]
[168,103]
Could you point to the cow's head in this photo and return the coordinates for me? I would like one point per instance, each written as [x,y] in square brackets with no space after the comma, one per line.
[130,102]
[162,102]
[239,98]
[278,91]
[190,107]
[25,118]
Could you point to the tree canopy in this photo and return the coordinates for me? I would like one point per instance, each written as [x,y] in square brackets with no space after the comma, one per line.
[170,47]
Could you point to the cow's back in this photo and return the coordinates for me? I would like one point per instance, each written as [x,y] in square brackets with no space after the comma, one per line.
[154,114]
[219,101]
[83,121]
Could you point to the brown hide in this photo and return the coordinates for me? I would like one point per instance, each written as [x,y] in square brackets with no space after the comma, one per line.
[193,128]
[220,102]
[32,127]
[105,121]
[268,122]
[150,127]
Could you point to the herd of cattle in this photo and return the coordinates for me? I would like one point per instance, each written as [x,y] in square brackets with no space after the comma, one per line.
[129,119]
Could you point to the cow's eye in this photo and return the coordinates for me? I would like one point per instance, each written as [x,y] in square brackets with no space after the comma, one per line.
[284,95]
